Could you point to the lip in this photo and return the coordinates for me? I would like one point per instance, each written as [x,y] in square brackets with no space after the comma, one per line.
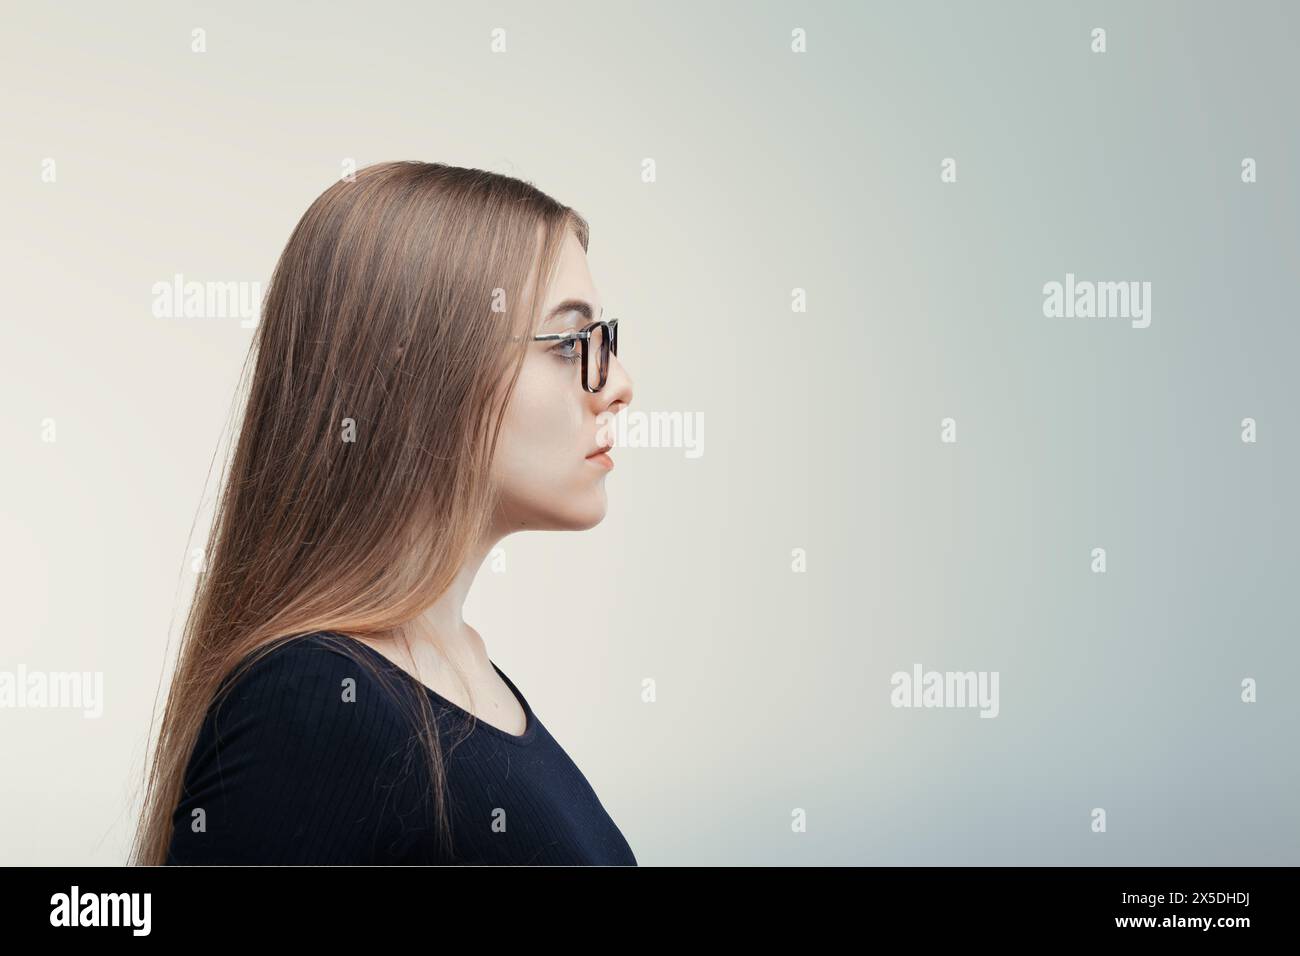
[600,458]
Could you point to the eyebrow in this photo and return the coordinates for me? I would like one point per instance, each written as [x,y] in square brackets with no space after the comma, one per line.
[580,306]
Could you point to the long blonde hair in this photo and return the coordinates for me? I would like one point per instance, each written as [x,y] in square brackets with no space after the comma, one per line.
[399,311]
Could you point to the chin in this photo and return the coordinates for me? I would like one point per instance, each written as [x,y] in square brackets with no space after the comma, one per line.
[587,518]
[580,514]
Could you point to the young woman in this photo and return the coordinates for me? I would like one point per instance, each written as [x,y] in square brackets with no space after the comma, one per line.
[433,371]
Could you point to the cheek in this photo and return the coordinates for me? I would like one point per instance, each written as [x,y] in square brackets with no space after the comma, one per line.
[541,441]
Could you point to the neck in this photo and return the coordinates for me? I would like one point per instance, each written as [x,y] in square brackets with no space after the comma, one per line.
[442,624]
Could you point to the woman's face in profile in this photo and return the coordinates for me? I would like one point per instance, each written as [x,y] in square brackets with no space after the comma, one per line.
[544,465]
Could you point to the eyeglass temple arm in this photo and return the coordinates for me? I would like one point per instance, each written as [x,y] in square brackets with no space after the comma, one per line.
[574,334]
[561,335]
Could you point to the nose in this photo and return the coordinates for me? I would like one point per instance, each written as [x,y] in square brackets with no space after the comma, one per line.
[617,393]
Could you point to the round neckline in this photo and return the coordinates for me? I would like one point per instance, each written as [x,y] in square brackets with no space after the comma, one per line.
[520,740]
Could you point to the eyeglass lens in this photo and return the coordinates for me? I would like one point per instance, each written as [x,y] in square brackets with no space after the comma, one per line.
[597,358]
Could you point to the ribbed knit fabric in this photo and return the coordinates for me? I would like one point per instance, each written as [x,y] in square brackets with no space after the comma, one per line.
[297,766]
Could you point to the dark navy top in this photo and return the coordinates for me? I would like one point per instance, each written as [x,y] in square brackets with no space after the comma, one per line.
[310,760]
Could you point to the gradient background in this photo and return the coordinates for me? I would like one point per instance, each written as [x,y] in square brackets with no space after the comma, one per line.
[776,171]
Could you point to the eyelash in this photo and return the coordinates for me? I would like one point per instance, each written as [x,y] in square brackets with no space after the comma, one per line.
[559,353]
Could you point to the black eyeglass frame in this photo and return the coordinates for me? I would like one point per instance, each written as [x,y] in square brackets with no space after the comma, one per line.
[584,336]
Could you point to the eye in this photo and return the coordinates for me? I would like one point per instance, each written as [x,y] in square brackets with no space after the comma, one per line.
[569,350]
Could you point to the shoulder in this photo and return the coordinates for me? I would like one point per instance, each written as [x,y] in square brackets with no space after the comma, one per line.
[294,760]
[315,680]
[302,653]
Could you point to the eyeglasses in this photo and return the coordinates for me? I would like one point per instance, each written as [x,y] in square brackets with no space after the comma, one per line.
[597,341]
